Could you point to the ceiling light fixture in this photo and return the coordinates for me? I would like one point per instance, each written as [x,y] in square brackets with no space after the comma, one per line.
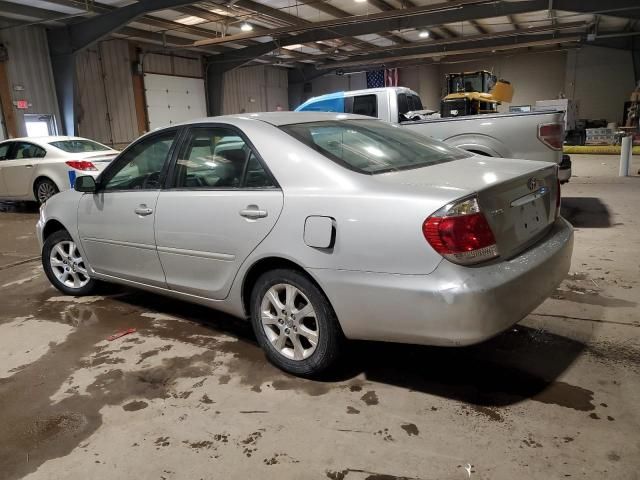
[293,47]
[360,1]
[245,27]
[423,34]
[190,20]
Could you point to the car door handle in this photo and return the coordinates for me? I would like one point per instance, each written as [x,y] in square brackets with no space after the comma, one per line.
[143,211]
[252,212]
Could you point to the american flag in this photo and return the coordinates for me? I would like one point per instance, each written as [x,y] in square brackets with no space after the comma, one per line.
[382,78]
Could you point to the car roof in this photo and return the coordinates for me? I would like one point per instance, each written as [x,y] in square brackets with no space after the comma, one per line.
[51,138]
[282,118]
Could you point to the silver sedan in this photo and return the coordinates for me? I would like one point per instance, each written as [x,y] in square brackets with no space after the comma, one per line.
[319,228]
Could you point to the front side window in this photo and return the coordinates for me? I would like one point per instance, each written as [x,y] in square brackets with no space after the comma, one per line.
[28,150]
[216,157]
[79,146]
[141,166]
[370,146]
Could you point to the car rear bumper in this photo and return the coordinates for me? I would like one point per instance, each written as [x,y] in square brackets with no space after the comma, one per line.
[454,305]
[564,169]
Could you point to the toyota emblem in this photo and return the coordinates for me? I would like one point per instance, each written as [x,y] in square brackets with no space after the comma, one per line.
[532,183]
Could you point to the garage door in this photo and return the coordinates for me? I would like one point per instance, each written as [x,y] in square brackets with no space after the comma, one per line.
[171,99]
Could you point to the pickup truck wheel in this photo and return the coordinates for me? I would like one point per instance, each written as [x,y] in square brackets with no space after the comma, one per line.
[44,190]
[64,266]
[294,323]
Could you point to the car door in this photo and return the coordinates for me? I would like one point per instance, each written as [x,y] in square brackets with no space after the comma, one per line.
[5,149]
[222,202]
[19,168]
[116,223]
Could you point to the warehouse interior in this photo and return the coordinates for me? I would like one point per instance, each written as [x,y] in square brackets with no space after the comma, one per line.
[101,75]
[189,394]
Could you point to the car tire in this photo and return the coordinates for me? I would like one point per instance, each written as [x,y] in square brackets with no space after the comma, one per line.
[288,341]
[44,189]
[64,266]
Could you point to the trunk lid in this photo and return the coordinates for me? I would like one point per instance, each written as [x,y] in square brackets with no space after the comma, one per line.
[517,197]
[99,159]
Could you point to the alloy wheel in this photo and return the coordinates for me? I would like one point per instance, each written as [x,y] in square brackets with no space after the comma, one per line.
[68,265]
[289,321]
[45,191]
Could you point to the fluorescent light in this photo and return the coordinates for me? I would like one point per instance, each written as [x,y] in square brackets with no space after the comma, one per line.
[191,20]
[219,11]
[423,34]
[293,47]
[245,27]
[360,1]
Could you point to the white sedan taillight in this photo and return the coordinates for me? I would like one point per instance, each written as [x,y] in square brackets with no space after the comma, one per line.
[83,165]
[460,233]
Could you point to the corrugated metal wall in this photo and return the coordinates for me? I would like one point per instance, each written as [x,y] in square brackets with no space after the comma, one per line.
[255,89]
[166,64]
[105,102]
[29,67]
[116,63]
[91,101]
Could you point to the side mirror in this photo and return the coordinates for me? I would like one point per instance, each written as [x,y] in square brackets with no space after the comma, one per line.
[85,184]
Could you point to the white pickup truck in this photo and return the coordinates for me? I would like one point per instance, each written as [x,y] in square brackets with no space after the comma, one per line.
[530,136]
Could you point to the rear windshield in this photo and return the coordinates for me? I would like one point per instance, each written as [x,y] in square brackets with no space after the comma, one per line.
[371,146]
[79,146]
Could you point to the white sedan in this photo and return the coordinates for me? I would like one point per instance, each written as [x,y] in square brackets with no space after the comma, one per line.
[38,168]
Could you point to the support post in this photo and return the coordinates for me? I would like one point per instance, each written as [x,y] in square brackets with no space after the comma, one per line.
[635,56]
[214,77]
[64,76]
[10,121]
[625,156]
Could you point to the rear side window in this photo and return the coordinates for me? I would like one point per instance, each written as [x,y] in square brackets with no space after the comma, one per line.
[371,146]
[403,106]
[79,146]
[365,105]
[414,103]
[215,157]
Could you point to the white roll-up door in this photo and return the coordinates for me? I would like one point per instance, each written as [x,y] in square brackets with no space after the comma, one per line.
[171,99]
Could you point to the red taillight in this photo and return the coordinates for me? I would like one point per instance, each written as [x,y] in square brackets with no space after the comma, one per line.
[81,165]
[551,134]
[461,233]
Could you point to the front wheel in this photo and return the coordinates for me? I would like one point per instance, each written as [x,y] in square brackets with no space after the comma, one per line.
[64,266]
[294,323]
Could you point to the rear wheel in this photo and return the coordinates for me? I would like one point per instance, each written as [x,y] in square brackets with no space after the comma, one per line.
[64,266]
[294,323]
[44,190]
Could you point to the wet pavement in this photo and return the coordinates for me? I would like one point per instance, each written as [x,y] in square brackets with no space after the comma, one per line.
[190,395]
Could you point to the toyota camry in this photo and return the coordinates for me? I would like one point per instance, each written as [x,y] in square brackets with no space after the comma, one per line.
[318,228]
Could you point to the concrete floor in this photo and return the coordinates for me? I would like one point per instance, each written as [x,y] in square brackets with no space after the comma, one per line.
[189,395]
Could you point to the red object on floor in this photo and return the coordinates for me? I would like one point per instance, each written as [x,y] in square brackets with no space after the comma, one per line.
[121,334]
